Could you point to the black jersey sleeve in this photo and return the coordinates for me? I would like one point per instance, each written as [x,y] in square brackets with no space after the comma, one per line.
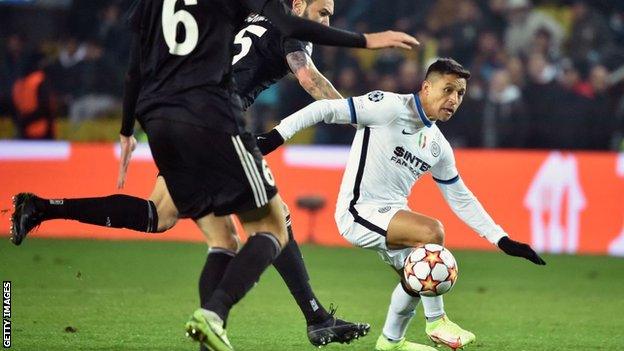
[303,29]
[133,15]
[293,45]
[132,87]
[256,6]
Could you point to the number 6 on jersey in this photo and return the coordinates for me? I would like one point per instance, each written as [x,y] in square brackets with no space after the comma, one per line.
[170,21]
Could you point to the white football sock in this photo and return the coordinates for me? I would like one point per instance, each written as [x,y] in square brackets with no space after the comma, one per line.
[400,312]
[433,307]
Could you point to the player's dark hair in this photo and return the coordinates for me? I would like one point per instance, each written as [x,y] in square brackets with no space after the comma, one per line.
[447,65]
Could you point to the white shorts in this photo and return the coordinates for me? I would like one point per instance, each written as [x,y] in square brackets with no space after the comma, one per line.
[369,232]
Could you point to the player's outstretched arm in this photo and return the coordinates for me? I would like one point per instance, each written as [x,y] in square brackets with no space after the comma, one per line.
[518,249]
[330,111]
[303,29]
[374,108]
[132,87]
[470,211]
[309,77]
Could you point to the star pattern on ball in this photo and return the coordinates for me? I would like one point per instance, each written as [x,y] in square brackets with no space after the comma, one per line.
[429,284]
[409,268]
[433,258]
[452,274]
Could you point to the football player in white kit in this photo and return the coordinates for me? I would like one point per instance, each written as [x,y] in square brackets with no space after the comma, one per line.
[396,143]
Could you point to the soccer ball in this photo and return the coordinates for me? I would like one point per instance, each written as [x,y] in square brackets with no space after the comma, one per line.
[430,270]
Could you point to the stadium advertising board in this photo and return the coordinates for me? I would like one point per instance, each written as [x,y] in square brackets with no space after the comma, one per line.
[560,202]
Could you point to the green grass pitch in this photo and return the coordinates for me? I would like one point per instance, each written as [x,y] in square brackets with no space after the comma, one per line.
[105,295]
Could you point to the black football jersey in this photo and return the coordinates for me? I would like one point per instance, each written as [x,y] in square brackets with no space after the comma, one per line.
[185,58]
[260,56]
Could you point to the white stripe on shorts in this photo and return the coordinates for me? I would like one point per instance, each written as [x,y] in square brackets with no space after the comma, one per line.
[247,173]
[255,171]
[256,186]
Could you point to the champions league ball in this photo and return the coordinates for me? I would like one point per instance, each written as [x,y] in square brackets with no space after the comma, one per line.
[430,270]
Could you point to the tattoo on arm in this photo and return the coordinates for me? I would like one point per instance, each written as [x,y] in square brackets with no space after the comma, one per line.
[310,78]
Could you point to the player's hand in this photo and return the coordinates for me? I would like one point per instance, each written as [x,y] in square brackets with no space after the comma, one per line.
[390,39]
[127,144]
[267,142]
[518,249]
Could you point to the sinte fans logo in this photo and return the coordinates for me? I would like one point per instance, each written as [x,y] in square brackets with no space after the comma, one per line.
[375,96]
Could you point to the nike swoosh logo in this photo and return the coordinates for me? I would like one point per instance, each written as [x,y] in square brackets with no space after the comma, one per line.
[406,133]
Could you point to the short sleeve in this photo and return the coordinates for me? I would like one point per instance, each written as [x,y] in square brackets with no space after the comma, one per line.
[445,171]
[376,108]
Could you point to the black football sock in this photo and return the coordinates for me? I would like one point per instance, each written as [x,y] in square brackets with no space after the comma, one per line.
[117,211]
[214,268]
[216,263]
[243,272]
[290,266]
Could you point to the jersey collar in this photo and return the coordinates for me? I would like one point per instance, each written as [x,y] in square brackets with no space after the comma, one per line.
[421,113]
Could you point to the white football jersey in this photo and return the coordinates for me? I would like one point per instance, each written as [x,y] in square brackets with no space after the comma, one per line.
[394,146]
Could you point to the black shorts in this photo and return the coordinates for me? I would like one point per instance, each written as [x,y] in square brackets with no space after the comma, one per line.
[209,171]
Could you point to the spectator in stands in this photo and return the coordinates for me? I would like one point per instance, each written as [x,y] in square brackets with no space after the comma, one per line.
[408,76]
[591,40]
[12,66]
[571,112]
[112,34]
[34,103]
[99,86]
[524,22]
[464,32]
[602,124]
[542,44]
[570,79]
[489,55]
[505,118]
[516,70]
[541,95]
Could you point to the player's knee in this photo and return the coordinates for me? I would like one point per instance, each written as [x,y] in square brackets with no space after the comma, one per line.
[167,214]
[435,232]
[229,242]
[281,236]
[166,221]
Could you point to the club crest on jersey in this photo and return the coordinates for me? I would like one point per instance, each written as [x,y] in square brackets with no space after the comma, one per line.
[376,96]
[384,209]
[435,149]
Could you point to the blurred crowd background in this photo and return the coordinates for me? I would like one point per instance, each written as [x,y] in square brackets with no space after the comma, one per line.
[546,74]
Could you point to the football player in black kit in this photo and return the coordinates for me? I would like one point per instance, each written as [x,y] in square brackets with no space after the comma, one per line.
[262,57]
[179,86]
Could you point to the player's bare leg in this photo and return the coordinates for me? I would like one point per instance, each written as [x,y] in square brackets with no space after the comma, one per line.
[268,236]
[410,229]
[166,209]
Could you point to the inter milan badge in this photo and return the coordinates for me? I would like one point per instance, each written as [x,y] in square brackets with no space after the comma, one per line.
[435,149]
[375,96]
